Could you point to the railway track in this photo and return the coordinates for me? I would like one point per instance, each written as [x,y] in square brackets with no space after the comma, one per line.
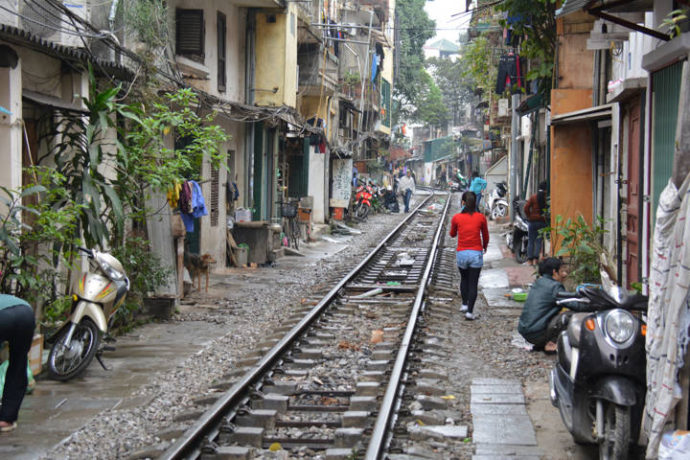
[332,385]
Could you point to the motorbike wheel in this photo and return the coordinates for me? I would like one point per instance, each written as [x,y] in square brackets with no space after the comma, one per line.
[499,211]
[362,211]
[66,361]
[615,439]
[520,249]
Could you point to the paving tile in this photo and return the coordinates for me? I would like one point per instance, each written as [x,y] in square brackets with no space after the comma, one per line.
[497,389]
[492,381]
[503,429]
[495,398]
[498,409]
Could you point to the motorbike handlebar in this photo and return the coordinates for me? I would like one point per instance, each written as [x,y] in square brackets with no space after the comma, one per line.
[88,251]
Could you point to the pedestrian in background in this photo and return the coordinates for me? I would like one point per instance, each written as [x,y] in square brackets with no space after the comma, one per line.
[407,188]
[535,210]
[477,186]
[17,325]
[473,239]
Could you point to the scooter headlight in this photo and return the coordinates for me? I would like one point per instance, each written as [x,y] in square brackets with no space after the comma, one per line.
[619,325]
[109,271]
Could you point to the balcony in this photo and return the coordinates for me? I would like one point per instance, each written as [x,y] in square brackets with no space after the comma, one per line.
[317,73]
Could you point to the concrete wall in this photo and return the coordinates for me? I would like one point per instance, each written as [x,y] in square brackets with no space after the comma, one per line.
[10,126]
[276,58]
[236,26]
[316,187]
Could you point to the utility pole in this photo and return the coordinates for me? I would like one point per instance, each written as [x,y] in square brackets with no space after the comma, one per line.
[365,80]
[514,146]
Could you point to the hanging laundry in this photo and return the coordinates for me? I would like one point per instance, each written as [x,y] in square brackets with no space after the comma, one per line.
[185,200]
[510,74]
[198,205]
[173,195]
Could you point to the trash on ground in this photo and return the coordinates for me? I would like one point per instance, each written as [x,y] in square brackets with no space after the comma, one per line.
[675,445]
[519,342]
[370,293]
[377,336]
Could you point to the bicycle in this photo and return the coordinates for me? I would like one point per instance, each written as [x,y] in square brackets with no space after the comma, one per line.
[293,230]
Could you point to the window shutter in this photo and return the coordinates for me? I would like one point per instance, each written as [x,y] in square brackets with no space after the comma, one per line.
[221,29]
[190,33]
[215,184]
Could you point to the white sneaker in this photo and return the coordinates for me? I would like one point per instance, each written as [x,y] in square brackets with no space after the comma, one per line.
[469,316]
[463,308]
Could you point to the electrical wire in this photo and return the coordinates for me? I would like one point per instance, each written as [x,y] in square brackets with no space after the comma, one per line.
[57,29]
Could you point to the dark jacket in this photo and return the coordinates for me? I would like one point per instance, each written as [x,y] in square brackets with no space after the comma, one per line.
[540,307]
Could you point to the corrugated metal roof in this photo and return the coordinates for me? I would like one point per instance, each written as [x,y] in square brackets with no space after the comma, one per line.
[571,6]
[24,38]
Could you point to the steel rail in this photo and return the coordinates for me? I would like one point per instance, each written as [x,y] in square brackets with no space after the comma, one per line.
[383,420]
[190,441]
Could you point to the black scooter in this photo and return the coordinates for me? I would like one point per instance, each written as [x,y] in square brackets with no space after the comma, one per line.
[516,238]
[598,383]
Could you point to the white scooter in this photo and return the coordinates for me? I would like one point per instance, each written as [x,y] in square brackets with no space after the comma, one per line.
[97,293]
[497,205]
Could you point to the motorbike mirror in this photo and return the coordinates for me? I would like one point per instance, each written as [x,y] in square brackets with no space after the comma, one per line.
[611,288]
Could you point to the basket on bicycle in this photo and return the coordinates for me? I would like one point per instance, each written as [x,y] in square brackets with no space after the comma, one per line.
[289,210]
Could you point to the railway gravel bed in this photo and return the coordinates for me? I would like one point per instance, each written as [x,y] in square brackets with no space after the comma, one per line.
[463,350]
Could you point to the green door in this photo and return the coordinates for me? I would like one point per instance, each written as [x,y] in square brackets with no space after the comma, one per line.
[257,175]
[666,92]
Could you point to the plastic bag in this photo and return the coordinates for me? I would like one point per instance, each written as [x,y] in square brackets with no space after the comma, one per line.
[29,375]
[675,445]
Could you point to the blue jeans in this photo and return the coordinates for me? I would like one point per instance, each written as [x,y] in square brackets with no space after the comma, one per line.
[534,239]
[470,265]
[16,327]
[406,199]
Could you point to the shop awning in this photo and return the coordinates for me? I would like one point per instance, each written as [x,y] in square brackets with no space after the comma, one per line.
[51,101]
[529,105]
[600,112]
[603,9]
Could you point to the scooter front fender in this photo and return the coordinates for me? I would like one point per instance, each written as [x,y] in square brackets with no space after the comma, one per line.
[92,311]
[616,389]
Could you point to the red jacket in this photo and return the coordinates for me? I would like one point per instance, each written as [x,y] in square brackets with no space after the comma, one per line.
[472,231]
[534,214]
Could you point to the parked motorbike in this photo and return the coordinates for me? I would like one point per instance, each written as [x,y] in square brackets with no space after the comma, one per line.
[598,383]
[363,196]
[97,293]
[516,238]
[497,203]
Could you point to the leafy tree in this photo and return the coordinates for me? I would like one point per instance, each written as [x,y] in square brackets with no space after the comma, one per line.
[415,28]
[149,164]
[455,88]
[430,106]
[39,214]
[477,65]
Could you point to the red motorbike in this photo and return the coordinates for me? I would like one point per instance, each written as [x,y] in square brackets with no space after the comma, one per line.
[363,196]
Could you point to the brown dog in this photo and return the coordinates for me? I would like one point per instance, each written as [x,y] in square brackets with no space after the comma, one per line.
[198,265]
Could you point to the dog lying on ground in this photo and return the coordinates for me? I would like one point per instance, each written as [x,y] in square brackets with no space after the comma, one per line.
[198,265]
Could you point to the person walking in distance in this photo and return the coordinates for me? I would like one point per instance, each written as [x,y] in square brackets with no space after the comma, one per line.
[534,210]
[407,188]
[472,232]
[17,325]
[477,186]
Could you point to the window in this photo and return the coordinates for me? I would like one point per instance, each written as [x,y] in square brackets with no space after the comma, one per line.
[189,28]
[221,51]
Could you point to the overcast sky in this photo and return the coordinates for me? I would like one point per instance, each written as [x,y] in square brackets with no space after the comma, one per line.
[441,11]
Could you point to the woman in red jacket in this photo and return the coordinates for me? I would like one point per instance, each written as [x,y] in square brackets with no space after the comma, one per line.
[473,238]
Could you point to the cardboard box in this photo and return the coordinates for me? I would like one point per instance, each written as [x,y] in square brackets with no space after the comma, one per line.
[36,354]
